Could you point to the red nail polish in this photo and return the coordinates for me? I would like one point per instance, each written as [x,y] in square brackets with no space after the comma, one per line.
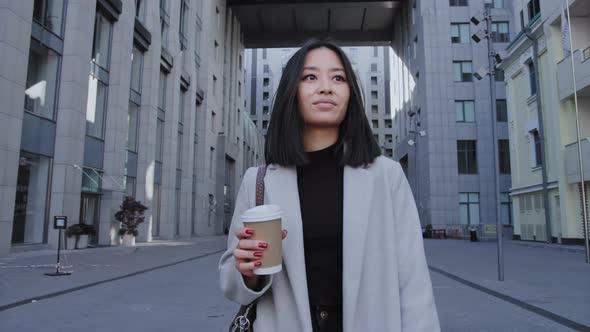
[258,254]
[263,245]
[249,232]
[257,263]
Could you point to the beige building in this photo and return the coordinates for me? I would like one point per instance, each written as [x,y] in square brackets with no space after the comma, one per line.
[556,96]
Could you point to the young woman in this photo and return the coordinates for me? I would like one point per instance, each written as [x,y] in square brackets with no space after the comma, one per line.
[354,258]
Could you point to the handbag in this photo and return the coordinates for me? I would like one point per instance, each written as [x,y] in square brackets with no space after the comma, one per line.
[244,319]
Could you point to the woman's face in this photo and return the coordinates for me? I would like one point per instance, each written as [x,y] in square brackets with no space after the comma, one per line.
[323,91]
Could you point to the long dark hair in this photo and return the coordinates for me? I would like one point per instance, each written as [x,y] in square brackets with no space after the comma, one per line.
[356,144]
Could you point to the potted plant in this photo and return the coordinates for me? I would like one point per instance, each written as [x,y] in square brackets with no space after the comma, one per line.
[87,230]
[130,215]
[73,233]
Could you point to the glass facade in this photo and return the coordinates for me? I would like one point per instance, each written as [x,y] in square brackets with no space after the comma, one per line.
[49,13]
[132,125]
[42,74]
[29,223]
[469,208]
[97,83]
[96,107]
[102,41]
[136,66]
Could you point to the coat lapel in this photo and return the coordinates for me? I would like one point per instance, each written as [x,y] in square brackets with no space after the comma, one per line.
[358,194]
[282,188]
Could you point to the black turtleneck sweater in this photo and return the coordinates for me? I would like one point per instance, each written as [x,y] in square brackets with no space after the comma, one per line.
[321,198]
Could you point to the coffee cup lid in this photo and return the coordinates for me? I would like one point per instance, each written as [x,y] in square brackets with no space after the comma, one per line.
[262,213]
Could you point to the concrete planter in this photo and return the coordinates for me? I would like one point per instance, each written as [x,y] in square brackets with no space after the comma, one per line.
[82,242]
[70,242]
[128,240]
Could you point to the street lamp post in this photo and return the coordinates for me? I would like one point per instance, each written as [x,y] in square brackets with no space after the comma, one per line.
[492,61]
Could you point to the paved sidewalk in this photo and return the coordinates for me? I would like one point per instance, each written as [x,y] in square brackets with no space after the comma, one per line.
[555,281]
[22,274]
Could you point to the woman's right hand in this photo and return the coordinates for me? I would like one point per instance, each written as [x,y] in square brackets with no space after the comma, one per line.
[247,254]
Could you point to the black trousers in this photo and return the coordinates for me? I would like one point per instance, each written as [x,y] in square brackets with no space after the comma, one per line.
[326,318]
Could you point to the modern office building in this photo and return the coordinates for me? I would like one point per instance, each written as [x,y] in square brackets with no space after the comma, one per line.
[264,68]
[553,135]
[442,115]
[106,98]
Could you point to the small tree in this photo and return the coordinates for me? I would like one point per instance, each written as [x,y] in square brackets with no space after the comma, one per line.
[130,215]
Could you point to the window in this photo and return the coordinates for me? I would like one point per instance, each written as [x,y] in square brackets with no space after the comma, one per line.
[374,80]
[374,94]
[212,121]
[101,46]
[181,107]
[375,124]
[179,151]
[501,110]
[31,198]
[42,80]
[132,126]
[140,9]
[415,46]
[239,89]
[265,69]
[183,26]
[129,186]
[504,156]
[265,110]
[374,109]
[264,124]
[465,110]
[240,66]
[521,20]
[264,54]
[534,8]
[498,4]
[49,14]
[375,51]
[388,138]
[506,209]
[266,81]
[457,3]
[159,140]
[462,71]
[387,123]
[211,160]
[136,65]
[265,95]
[469,208]
[164,31]
[460,33]
[96,108]
[162,91]
[499,75]
[373,67]
[214,89]
[532,77]
[500,32]
[467,157]
[537,147]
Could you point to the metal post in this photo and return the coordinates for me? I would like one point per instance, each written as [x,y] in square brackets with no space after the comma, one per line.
[580,160]
[541,135]
[491,63]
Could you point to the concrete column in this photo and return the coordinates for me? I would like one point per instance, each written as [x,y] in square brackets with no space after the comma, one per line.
[115,148]
[16,17]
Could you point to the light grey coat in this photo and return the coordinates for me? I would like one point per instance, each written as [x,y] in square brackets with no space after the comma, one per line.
[386,283]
